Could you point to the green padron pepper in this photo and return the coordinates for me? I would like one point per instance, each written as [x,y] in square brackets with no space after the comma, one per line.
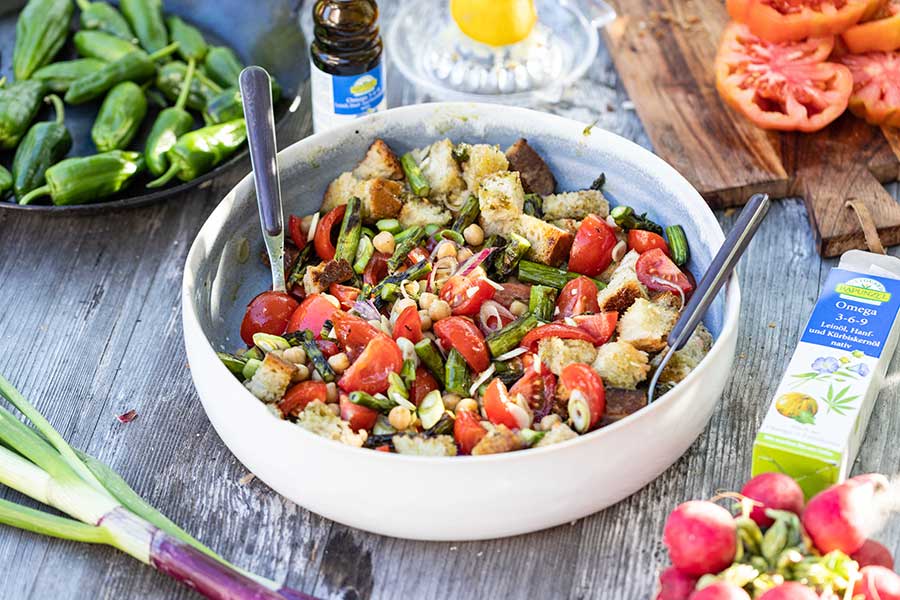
[88,178]
[227,105]
[197,152]
[102,46]
[170,81]
[121,114]
[41,31]
[5,180]
[191,44]
[172,123]
[223,67]
[59,76]
[19,104]
[146,20]
[134,66]
[102,16]
[45,144]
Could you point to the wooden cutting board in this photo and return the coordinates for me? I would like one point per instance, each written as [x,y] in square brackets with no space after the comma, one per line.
[664,52]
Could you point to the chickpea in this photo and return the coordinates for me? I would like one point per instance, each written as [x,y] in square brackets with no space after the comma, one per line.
[548,422]
[425,320]
[446,249]
[340,362]
[474,234]
[316,376]
[335,409]
[331,393]
[463,255]
[302,373]
[451,401]
[438,310]
[426,299]
[296,355]
[518,308]
[467,404]
[384,242]
[402,304]
[399,418]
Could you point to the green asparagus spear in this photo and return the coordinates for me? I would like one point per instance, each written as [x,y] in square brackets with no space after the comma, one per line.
[351,226]
[316,358]
[536,273]
[542,302]
[382,405]
[625,217]
[457,374]
[417,271]
[508,259]
[534,205]
[431,358]
[414,175]
[403,247]
[467,214]
[506,339]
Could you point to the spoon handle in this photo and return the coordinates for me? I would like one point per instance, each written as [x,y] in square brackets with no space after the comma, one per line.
[256,95]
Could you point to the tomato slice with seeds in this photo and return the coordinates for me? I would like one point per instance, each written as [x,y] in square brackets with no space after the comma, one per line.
[324,231]
[587,396]
[461,333]
[501,408]
[467,431]
[657,271]
[353,333]
[346,294]
[298,396]
[794,20]
[408,325]
[422,385]
[640,241]
[269,312]
[876,87]
[466,294]
[376,268]
[537,387]
[577,297]
[369,373]
[879,35]
[592,248]
[601,326]
[358,416]
[781,86]
[311,314]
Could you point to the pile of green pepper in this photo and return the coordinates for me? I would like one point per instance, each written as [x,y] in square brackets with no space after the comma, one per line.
[129,58]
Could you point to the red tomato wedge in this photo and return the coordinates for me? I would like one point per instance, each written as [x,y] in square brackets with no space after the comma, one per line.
[592,248]
[876,87]
[408,325]
[423,383]
[640,241]
[559,330]
[461,333]
[577,297]
[794,20]
[376,269]
[346,294]
[353,333]
[295,230]
[322,240]
[587,396]
[369,372]
[601,326]
[879,35]
[786,86]
[468,431]
[537,388]
[358,416]
[501,409]
[657,271]
[268,312]
[311,314]
[301,394]
[466,294]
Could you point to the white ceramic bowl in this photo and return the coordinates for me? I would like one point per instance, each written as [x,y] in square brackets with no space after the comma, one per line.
[411,497]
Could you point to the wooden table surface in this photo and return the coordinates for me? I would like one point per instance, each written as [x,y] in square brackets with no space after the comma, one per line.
[91,328]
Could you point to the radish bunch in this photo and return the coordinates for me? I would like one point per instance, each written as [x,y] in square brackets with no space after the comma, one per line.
[780,548]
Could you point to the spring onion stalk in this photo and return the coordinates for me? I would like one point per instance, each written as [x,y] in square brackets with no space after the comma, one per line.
[431,358]
[504,340]
[431,409]
[235,364]
[536,273]
[678,245]
[541,302]
[449,234]
[364,252]
[457,374]
[467,214]
[39,463]
[250,368]
[431,229]
[351,230]
[392,226]
[417,181]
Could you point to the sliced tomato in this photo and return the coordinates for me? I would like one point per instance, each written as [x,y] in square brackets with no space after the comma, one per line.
[327,348]
[876,87]
[467,431]
[346,294]
[323,240]
[369,372]
[358,416]
[295,230]
[794,20]
[657,271]
[601,326]
[461,333]
[640,241]
[786,86]
[586,394]
[502,409]
[353,333]
[301,394]
[592,249]
[577,297]
[538,388]
[422,385]
[383,448]
[879,35]
[376,269]
[311,314]
[408,325]
[268,312]
[466,294]
[559,330]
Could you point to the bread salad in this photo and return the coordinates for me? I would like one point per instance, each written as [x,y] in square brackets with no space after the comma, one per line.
[450,301]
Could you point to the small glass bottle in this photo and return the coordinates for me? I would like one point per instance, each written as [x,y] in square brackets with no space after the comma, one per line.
[347,68]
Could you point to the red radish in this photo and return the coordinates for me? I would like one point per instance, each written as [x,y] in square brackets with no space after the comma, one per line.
[721,590]
[790,590]
[701,537]
[877,583]
[873,554]
[773,490]
[839,518]
[675,585]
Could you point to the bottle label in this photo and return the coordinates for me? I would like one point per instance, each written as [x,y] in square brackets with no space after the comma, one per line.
[341,98]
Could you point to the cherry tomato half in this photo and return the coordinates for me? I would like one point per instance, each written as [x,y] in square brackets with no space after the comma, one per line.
[793,20]
[358,416]
[640,241]
[324,230]
[369,372]
[269,312]
[876,86]
[461,333]
[353,333]
[601,326]
[295,229]
[587,396]
[538,388]
[468,431]
[311,314]
[466,294]
[408,325]
[593,246]
[657,271]
[501,409]
[422,385]
[559,330]
[346,294]
[577,297]
[301,394]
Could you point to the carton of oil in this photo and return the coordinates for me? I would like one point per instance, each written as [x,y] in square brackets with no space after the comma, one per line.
[817,420]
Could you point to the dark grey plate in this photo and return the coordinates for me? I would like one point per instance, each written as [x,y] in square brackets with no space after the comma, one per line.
[262,32]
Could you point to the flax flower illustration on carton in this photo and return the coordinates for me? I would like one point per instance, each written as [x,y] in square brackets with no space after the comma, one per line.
[832,369]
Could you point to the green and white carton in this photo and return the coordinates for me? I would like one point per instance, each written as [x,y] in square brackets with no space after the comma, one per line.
[816,423]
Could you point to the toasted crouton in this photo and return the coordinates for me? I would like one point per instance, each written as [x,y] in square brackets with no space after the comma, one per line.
[442,171]
[271,379]
[500,439]
[339,191]
[669,300]
[501,200]
[422,213]
[623,289]
[318,278]
[483,160]
[557,353]
[686,360]
[621,365]
[560,432]
[380,162]
[317,418]
[381,199]
[419,445]
[536,175]
[570,225]
[627,262]
[646,325]
[550,245]
[575,205]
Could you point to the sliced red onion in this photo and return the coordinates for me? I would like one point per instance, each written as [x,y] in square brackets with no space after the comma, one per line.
[484,376]
[475,261]
[668,284]
[366,309]
[511,354]
[519,411]
[492,316]
[313,225]
[494,284]
[438,246]
[127,417]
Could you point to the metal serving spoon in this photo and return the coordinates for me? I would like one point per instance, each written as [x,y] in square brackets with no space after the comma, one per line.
[256,94]
[716,275]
